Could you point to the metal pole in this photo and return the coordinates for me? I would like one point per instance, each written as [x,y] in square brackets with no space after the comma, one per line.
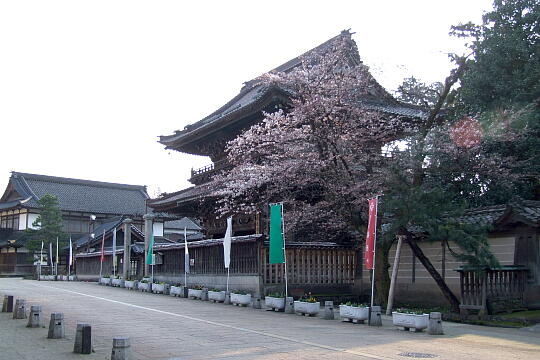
[228,279]
[284,252]
[374,252]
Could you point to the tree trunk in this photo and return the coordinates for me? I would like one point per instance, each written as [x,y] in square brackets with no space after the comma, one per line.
[448,294]
[382,279]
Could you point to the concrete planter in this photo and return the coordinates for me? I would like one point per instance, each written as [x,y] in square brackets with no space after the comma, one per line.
[305,308]
[117,282]
[72,278]
[240,299]
[216,296]
[274,303]
[194,294]
[131,284]
[105,281]
[353,313]
[43,277]
[177,291]
[51,277]
[410,321]
[63,277]
[160,288]
[143,286]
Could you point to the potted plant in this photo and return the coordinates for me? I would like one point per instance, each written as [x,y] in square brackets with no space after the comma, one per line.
[116,281]
[275,301]
[131,284]
[410,319]
[144,285]
[216,295]
[177,290]
[240,298]
[105,280]
[352,312]
[195,292]
[307,306]
[160,288]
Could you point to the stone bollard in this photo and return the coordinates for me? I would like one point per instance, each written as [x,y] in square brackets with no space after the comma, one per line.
[256,302]
[435,324]
[34,320]
[56,326]
[204,294]
[227,298]
[375,316]
[83,339]
[289,305]
[121,349]
[328,310]
[19,312]
[7,306]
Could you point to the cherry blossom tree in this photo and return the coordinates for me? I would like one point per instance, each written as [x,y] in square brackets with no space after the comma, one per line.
[322,157]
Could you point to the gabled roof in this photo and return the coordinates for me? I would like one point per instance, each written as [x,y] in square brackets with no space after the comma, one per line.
[254,96]
[107,228]
[183,223]
[75,194]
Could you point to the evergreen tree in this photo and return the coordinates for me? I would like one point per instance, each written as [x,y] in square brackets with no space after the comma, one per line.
[48,225]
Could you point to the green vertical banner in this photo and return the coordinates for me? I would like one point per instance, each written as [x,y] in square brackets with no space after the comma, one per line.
[277,255]
[149,256]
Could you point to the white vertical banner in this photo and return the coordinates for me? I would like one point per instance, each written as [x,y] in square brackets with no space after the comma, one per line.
[114,251]
[70,252]
[227,243]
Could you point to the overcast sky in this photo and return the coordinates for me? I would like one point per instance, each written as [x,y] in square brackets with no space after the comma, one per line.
[86,87]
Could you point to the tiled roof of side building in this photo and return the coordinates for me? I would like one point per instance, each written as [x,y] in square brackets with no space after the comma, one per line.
[82,195]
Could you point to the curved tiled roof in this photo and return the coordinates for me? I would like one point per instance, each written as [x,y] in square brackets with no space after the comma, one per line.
[79,195]
[252,92]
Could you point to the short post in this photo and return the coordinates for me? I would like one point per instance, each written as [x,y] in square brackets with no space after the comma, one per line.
[204,294]
[121,349]
[435,324]
[328,310]
[34,321]
[289,305]
[227,298]
[56,326]
[185,292]
[19,312]
[375,316]
[7,306]
[256,301]
[77,347]
[86,339]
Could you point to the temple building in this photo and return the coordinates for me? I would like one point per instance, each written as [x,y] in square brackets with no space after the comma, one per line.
[312,266]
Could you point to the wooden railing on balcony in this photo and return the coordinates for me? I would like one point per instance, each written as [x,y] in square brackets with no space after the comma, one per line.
[203,174]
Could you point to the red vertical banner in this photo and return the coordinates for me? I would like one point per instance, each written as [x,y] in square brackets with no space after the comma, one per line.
[370,237]
[103,247]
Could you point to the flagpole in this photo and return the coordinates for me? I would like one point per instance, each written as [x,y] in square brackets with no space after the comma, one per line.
[70,256]
[186,263]
[284,252]
[374,249]
[56,271]
[40,260]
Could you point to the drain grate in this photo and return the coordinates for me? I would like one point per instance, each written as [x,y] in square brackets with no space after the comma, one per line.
[418,355]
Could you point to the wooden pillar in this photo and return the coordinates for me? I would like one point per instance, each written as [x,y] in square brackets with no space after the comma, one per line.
[127,248]
[148,224]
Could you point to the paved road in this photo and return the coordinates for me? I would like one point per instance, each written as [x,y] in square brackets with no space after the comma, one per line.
[164,327]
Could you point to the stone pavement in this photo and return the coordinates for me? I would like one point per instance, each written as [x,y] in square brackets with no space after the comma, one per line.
[164,327]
